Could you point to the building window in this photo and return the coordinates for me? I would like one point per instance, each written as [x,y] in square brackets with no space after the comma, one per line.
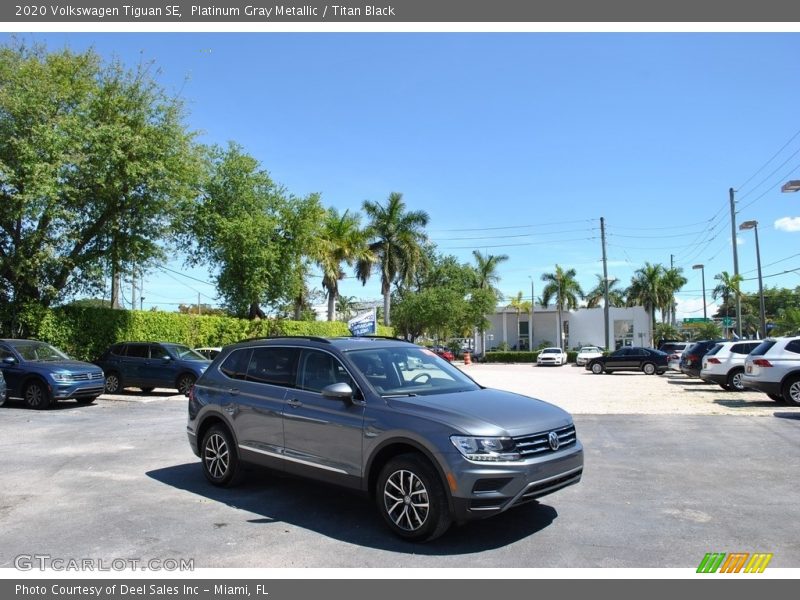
[623,334]
[523,335]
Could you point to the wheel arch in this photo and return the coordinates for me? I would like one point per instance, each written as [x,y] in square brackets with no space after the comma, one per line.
[395,447]
[208,422]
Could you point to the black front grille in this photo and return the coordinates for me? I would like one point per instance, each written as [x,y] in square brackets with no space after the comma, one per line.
[86,376]
[532,445]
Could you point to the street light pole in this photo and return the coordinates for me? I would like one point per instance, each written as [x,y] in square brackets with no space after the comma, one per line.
[731,193]
[530,326]
[703,274]
[762,312]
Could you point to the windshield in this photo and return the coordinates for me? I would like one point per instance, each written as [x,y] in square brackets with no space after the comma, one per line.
[590,349]
[551,351]
[409,371]
[39,351]
[185,353]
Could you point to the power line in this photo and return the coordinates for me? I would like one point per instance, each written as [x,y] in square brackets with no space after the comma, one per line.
[771,187]
[517,226]
[782,148]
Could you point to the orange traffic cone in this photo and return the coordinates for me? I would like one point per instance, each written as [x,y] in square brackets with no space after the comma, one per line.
[467,358]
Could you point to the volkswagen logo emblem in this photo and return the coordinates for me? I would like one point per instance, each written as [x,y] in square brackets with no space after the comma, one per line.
[552,439]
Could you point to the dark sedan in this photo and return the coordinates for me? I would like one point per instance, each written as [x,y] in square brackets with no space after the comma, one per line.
[41,374]
[631,358]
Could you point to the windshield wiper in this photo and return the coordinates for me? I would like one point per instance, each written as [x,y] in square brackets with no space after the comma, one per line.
[407,395]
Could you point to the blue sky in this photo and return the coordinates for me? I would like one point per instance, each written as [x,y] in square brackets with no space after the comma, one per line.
[514,143]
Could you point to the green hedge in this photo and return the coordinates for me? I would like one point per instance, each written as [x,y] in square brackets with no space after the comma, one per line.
[85,332]
[522,357]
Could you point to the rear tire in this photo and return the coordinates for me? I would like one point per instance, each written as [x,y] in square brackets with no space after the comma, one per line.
[791,390]
[735,381]
[412,500]
[37,396]
[649,368]
[219,456]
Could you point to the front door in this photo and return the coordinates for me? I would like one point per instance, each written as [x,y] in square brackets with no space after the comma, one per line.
[323,433]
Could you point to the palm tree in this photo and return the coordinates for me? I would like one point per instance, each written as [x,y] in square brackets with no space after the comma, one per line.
[398,244]
[728,286]
[596,295]
[345,307]
[487,278]
[341,240]
[562,286]
[646,290]
[520,305]
[672,280]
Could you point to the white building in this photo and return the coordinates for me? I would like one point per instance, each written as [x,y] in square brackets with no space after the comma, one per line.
[629,326]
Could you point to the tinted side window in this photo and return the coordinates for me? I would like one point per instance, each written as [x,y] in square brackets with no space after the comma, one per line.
[138,351]
[117,350]
[793,346]
[6,353]
[276,366]
[763,348]
[320,369]
[235,366]
[158,351]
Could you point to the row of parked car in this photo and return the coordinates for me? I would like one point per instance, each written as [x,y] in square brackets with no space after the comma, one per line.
[40,374]
[771,366]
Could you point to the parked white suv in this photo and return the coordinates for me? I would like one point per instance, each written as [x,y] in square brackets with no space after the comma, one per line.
[724,364]
[774,368]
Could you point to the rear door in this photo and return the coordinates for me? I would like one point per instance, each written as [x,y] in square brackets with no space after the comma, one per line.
[133,364]
[12,372]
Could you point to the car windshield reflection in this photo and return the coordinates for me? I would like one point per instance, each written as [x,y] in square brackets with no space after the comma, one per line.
[409,372]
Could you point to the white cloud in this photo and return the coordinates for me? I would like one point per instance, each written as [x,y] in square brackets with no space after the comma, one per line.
[740,240]
[788,224]
[693,307]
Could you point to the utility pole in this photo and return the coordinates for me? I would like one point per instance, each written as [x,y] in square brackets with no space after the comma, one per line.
[731,192]
[133,288]
[605,278]
[530,327]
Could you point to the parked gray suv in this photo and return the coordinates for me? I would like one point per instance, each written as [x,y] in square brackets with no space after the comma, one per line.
[385,417]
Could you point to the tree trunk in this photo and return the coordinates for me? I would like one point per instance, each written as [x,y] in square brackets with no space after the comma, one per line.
[255,313]
[387,292]
[331,306]
[558,329]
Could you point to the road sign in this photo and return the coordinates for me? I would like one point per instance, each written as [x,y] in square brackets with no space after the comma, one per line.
[696,320]
[727,321]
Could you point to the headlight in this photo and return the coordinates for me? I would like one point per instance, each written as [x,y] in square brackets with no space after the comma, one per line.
[488,449]
[61,377]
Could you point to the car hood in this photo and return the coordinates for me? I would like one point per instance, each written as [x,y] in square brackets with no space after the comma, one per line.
[72,366]
[486,412]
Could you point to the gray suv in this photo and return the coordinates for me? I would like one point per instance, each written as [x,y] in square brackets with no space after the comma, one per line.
[385,417]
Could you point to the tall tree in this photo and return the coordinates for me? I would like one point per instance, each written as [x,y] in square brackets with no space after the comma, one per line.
[341,240]
[561,286]
[646,290]
[95,163]
[253,232]
[672,280]
[728,290]
[398,239]
[595,296]
[520,306]
[486,280]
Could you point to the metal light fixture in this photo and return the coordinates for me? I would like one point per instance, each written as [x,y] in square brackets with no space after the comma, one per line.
[703,273]
[791,186]
[762,313]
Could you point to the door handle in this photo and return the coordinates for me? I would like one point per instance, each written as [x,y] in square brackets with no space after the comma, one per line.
[295,403]
[233,391]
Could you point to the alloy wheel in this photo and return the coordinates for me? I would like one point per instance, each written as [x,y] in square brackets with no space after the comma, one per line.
[216,456]
[406,500]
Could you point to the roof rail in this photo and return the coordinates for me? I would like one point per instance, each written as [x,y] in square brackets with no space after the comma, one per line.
[382,337]
[312,338]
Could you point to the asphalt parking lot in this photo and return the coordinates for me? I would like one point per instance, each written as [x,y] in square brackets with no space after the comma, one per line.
[661,488]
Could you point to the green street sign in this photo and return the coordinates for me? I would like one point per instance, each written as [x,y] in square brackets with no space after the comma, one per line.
[727,321]
[696,320]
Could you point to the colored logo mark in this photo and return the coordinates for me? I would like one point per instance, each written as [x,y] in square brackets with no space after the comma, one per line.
[734,562]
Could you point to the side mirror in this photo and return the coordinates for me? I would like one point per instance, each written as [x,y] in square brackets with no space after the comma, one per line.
[338,391]
[9,360]
[166,359]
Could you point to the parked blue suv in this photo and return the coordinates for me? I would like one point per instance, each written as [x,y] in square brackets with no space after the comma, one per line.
[41,374]
[148,365]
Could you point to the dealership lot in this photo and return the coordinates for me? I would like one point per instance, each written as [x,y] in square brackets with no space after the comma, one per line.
[670,475]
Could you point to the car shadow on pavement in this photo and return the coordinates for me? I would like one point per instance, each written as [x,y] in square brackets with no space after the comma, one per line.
[689,382]
[348,516]
[787,415]
[739,403]
[54,406]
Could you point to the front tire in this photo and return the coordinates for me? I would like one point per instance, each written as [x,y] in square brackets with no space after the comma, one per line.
[37,396]
[791,391]
[412,499]
[597,368]
[185,383]
[221,464]
[113,383]
[736,380]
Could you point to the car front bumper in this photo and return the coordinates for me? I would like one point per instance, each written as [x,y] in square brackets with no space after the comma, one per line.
[487,490]
[86,389]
